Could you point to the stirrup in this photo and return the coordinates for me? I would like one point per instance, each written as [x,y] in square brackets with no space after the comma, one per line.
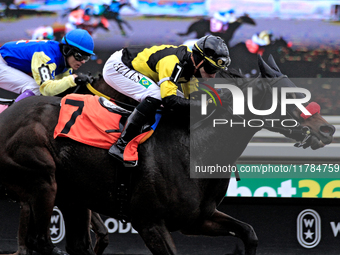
[113,153]
[130,163]
[6,101]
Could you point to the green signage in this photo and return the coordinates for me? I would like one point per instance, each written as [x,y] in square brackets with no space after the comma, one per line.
[311,188]
[309,183]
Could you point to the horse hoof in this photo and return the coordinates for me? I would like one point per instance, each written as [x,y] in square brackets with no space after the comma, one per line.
[57,251]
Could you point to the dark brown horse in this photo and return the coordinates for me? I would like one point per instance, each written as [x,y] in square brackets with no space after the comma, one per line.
[164,198]
[97,224]
[202,27]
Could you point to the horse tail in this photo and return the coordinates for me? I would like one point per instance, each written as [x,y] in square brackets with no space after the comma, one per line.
[184,34]
[192,28]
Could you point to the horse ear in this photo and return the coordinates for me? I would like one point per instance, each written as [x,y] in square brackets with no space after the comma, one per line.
[266,70]
[271,62]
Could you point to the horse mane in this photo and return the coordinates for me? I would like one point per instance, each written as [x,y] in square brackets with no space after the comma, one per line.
[236,76]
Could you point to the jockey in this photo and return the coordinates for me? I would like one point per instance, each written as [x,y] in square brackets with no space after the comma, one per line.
[43,33]
[262,39]
[221,19]
[151,76]
[45,67]
[225,16]
[75,19]
[92,9]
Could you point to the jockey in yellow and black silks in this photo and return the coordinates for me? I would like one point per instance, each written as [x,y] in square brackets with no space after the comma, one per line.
[151,76]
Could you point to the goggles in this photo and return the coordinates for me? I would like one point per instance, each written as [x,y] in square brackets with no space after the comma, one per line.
[70,50]
[79,56]
[211,67]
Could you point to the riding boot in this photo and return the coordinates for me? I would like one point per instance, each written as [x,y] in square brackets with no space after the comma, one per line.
[138,118]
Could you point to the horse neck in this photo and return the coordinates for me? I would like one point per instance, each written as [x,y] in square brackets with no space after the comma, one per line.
[233,27]
[230,138]
[233,132]
[228,35]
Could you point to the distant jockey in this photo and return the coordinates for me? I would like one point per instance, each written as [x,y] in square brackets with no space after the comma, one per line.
[87,16]
[264,38]
[43,33]
[221,19]
[258,41]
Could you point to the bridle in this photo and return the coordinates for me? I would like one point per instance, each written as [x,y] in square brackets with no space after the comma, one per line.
[300,133]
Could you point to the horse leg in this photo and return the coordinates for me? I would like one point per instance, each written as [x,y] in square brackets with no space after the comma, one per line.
[102,234]
[23,229]
[24,219]
[157,238]
[127,24]
[41,208]
[77,224]
[220,224]
[122,31]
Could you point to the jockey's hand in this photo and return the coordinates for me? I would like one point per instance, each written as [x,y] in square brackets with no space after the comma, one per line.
[180,104]
[83,79]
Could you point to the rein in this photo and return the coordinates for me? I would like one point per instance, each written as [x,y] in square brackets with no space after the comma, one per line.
[200,122]
[97,93]
[299,133]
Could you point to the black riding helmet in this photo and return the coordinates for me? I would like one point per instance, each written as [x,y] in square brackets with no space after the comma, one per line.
[214,52]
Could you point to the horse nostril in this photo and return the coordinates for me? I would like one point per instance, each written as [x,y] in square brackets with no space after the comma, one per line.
[327,129]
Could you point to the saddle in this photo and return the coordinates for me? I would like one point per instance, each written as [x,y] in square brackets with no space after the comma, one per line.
[7,97]
[97,122]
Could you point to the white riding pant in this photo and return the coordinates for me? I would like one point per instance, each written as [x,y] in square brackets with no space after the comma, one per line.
[14,80]
[128,81]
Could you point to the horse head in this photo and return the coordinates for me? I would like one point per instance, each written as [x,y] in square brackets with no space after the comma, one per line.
[277,46]
[309,130]
[246,19]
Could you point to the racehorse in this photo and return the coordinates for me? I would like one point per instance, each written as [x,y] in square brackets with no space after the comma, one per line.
[164,198]
[97,225]
[239,53]
[101,16]
[115,15]
[202,27]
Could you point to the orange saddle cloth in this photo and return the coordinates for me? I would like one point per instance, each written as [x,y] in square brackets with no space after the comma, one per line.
[83,119]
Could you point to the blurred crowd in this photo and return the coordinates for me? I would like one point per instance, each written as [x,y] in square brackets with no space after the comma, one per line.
[297,62]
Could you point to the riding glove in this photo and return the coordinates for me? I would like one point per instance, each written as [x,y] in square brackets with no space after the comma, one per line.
[83,79]
[179,104]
